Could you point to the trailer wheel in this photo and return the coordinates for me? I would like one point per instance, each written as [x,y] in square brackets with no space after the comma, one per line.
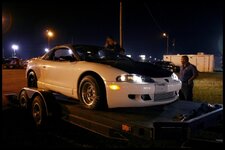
[31,79]
[38,110]
[23,100]
[91,93]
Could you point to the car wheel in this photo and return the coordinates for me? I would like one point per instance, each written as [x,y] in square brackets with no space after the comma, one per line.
[38,111]
[11,67]
[91,93]
[4,67]
[31,80]
[23,100]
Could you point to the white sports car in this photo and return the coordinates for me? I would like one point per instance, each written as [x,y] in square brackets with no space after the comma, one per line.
[101,78]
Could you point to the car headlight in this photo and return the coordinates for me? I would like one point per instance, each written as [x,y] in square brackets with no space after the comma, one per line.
[133,78]
[174,77]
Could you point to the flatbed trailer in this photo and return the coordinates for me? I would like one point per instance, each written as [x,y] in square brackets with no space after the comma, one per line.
[172,122]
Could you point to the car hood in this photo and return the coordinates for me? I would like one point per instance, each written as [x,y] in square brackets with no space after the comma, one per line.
[141,68]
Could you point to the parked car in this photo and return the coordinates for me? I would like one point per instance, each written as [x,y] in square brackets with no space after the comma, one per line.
[167,65]
[101,78]
[24,63]
[12,63]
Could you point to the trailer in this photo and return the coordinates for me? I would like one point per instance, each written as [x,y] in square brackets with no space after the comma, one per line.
[203,62]
[177,121]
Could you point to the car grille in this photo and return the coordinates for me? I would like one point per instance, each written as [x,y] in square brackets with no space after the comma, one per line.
[163,96]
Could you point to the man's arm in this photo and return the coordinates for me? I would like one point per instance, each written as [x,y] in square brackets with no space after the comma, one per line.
[195,74]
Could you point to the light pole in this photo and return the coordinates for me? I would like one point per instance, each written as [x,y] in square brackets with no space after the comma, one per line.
[50,34]
[121,24]
[166,35]
[15,47]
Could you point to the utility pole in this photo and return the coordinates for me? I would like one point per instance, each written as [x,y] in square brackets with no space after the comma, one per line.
[167,45]
[121,23]
[72,40]
[166,35]
[173,44]
[3,53]
[50,34]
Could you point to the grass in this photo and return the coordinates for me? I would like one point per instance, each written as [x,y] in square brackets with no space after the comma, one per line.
[208,87]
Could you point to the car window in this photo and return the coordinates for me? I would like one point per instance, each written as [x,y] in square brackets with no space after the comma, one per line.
[98,53]
[61,54]
[47,56]
[88,52]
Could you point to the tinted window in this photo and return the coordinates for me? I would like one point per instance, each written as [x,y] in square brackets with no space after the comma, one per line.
[93,53]
[62,54]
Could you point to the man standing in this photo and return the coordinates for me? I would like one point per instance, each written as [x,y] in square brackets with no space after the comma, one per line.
[188,73]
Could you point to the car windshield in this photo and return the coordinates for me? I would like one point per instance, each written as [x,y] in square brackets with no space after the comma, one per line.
[95,53]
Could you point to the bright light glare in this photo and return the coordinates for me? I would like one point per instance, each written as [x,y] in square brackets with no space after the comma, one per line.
[130,78]
[15,47]
[137,79]
[114,87]
[164,34]
[46,50]
[174,76]
[123,78]
[142,57]
[50,33]
[70,51]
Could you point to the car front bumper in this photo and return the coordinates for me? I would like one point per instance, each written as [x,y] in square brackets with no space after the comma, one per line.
[140,95]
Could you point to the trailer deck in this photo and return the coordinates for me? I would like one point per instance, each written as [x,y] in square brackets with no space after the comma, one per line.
[175,121]
[172,122]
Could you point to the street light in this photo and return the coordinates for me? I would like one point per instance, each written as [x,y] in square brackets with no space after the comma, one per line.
[46,50]
[166,35]
[15,47]
[50,34]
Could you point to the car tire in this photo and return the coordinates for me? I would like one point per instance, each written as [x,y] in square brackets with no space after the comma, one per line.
[11,67]
[23,100]
[38,110]
[92,93]
[4,66]
[31,80]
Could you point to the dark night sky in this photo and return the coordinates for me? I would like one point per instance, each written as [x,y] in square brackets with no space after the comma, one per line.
[196,27]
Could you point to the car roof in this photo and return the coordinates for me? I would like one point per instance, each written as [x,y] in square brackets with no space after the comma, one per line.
[76,45]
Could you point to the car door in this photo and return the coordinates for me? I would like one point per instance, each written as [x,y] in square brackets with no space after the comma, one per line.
[59,71]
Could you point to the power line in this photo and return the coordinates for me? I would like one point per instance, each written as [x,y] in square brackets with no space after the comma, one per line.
[153,18]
